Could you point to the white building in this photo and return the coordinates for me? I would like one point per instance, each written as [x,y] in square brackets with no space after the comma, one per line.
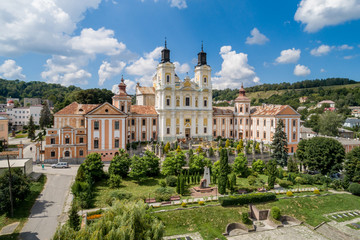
[21,116]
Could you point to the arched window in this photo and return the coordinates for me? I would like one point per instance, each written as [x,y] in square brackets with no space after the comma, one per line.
[205,80]
[67,154]
[168,79]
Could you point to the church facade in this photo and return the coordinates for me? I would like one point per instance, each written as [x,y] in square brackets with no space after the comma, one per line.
[170,110]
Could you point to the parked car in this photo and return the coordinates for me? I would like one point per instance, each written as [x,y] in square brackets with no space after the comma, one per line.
[60,165]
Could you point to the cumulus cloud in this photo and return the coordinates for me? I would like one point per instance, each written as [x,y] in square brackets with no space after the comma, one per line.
[321,50]
[130,87]
[66,71]
[108,70]
[256,37]
[289,56]
[42,26]
[93,42]
[180,4]
[345,47]
[322,70]
[10,70]
[301,70]
[234,70]
[181,68]
[316,14]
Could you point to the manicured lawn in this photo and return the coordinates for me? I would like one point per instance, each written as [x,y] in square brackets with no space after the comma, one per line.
[138,190]
[211,221]
[22,212]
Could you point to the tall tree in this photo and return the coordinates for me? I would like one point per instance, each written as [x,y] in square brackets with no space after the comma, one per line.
[323,154]
[329,123]
[224,170]
[292,166]
[31,128]
[272,172]
[352,165]
[138,168]
[152,164]
[45,116]
[120,164]
[240,165]
[173,165]
[279,145]
[93,166]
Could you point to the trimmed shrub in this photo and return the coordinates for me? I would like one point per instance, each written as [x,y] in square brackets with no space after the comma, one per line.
[245,218]
[289,193]
[251,179]
[201,203]
[162,183]
[316,191]
[300,180]
[275,213]
[114,181]
[285,183]
[247,199]
[171,181]
[354,188]
[183,204]
[163,194]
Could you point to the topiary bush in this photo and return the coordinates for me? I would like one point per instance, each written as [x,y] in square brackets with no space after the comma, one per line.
[251,179]
[275,213]
[245,218]
[285,183]
[354,188]
[114,181]
[300,180]
[289,193]
[183,204]
[316,191]
[171,181]
[201,203]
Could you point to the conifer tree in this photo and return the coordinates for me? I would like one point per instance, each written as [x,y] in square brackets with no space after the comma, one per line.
[74,218]
[178,185]
[45,116]
[272,172]
[224,166]
[279,145]
[31,128]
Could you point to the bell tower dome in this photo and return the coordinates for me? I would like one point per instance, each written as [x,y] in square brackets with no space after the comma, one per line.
[122,100]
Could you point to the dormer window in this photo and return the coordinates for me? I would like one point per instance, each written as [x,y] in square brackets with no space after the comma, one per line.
[168,79]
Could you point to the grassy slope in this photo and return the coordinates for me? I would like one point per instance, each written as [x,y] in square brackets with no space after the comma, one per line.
[22,212]
[211,222]
[267,94]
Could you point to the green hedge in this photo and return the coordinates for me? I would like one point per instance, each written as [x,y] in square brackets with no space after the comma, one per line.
[247,199]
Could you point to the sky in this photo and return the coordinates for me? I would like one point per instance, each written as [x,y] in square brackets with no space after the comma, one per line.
[92,43]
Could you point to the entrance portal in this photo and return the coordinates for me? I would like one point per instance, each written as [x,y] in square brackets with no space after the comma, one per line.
[187,132]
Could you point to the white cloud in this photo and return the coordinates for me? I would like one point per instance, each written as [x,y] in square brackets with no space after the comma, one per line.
[322,70]
[108,70]
[95,42]
[321,50]
[316,14]
[345,47]
[234,70]
[301,70]
[181,68]
[180,4]
[42,26]
[289,56]
[66,71]
[130,87]
[350,57]
[256,37]
[10,70]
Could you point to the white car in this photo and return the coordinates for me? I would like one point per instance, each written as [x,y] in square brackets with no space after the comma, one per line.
[60,165]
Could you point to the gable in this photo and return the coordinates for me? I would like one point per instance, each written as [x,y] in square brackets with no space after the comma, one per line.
[288,111]
[106,109]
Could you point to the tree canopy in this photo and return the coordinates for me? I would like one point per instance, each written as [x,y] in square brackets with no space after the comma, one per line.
[279,145]
[352,165]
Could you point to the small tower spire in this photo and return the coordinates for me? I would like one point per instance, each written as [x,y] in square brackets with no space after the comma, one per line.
[165,54]
[202,56]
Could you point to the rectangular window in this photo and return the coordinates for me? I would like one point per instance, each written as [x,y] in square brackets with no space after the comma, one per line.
[294,136]
[264,122]
[177,130]
[81,152]
[264,135]
[230,121]
[117,125]
[223,133]
[67,140]
[294,123]
[82,122]
[205,103]
[235,121]
[257,134]
[116,145]
[132,135]
[144,122]
[257,122]
[187,101]
[154,122]
[223,121]
[122,108]
[196,130]
[272,123]
[240,121]
[247,121]
[167,130]
[143,135]
[52,141]
[231,133]
[214,121]
[96,143]
[96,125]
[214,133]
[168,102]
[133,122]
[154,135]
[241,109]
[292,149]
[81,140]
[205,129]
[53,154]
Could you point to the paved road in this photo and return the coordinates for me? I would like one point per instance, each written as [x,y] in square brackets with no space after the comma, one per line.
[48,208]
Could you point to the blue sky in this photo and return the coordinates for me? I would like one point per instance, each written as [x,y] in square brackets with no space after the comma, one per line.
[92,43]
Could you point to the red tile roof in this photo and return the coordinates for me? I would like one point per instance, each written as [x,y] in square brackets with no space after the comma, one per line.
[223,110]
[76,108]
[268,109]
[142,110]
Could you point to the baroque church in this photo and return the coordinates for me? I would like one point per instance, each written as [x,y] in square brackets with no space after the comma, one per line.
[172,109]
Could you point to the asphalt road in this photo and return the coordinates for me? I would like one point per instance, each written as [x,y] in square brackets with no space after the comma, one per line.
[48,208]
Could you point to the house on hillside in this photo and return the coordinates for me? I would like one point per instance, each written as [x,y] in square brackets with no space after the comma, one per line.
[344,133]
[303,99]
[355,111]
[320,104]
[351,122]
